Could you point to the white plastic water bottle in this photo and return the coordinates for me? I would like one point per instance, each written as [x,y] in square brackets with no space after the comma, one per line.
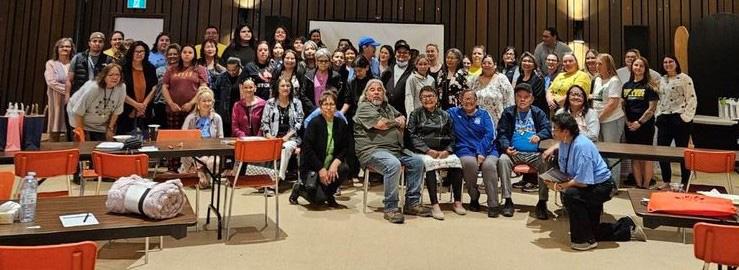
[28,197]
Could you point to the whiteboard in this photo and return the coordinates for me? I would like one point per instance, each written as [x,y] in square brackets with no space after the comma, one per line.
[144,29]
[417,35]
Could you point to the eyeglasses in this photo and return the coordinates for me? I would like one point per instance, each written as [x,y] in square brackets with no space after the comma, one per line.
[322,61]
[328,104]
[428,97]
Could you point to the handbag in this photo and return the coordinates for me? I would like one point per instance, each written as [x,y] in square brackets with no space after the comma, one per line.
[689,204]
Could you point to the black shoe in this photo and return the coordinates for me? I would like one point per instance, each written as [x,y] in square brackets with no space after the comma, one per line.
[541,210]
[331,202]
[474,206]
[294,194]
[529,187]
[493,212]
[508,208]
[519,184]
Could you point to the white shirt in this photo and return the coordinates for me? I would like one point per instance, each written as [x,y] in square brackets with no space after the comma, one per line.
[602,91]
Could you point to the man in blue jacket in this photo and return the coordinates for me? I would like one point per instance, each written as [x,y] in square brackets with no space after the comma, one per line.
[520,129]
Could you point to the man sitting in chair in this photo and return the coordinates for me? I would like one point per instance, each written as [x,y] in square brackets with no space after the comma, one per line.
[520,129]
[378,133]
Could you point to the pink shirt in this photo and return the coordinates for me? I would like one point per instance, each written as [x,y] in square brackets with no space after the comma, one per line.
[319,85]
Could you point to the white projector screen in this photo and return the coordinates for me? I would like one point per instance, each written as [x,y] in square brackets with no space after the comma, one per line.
[417,35]
[144,29]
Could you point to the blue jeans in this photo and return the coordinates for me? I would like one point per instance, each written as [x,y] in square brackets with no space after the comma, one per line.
[388,165]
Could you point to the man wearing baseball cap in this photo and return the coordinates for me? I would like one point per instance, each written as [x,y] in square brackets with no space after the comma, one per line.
[394,77]
[368,45]
[520,129]
[85,66]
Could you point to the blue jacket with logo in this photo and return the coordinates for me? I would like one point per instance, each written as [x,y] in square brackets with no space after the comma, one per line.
[475,134]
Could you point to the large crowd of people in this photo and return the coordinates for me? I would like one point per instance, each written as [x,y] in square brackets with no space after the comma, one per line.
[398,110]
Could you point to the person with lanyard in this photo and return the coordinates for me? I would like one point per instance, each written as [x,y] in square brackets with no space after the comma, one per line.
[327,145]
[246,116]
[589,186]
[94,109]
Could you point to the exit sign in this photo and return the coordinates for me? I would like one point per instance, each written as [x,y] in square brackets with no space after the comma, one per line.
[137,4]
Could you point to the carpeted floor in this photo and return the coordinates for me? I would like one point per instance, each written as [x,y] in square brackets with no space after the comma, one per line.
[345,238]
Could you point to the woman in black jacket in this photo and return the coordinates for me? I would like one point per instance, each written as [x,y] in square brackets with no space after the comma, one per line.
[140,77]
[324,154]
[322,72]
[431,135]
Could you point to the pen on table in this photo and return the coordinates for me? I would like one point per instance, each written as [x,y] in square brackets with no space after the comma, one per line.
[86,216]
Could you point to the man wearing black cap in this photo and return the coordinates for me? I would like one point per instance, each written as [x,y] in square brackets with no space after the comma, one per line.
[520,129]
[394,77]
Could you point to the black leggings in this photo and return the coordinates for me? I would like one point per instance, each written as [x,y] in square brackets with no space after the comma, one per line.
[453,177]
[672,127]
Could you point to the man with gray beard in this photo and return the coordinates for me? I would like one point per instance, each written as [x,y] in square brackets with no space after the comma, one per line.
[378,134]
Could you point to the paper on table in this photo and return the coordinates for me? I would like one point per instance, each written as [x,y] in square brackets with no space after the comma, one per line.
[78,220]
[148,149]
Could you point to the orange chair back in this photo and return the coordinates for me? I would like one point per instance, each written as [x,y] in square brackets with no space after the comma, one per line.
[75,256]
[714,243]
[178,135]
[47,163]
[6,185]
[115,166]
[709,161]
[79,135]
[258,150]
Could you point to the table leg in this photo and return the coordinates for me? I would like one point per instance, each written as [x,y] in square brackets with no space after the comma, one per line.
[215,192]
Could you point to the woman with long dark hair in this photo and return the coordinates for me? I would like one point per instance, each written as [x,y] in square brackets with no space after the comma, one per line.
[675,113]
[529,74]
[180,84]
[386,57]
[242,45]
[282,118]
[260,71]
[158,56]
[210,60]
[140,77]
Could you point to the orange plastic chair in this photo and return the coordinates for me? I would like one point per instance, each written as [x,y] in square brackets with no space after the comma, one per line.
[168,135]
[115,166]
[710,162]
[47,164]
[714,243]
[6,185]
[256,151]
[74,256]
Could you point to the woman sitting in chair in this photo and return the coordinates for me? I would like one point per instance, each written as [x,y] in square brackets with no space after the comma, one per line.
[590,185]
[205,119]
[282,118]
[327,144]
[430,129]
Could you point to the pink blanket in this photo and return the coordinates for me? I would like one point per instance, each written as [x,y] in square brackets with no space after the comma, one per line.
[134,194]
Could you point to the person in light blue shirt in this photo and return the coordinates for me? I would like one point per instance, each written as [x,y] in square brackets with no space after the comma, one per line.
[590,186]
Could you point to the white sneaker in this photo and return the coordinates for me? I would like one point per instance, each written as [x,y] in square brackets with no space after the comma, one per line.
[584,246]
[459,209]
[436,212]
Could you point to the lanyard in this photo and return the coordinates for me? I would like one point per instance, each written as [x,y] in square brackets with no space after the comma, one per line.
[569,153]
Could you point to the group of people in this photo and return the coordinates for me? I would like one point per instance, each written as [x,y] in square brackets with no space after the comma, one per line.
[391,110]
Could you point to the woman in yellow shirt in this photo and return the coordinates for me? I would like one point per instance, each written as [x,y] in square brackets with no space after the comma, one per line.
[572,75]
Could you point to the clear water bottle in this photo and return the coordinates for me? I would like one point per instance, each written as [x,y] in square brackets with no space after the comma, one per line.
[29,193]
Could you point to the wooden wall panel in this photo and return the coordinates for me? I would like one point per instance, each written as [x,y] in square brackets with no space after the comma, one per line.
[29,28]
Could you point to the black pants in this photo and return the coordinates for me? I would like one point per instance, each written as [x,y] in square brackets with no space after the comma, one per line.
[328,190]
[585,205]
[453,178]
[672,127]
[94,136]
